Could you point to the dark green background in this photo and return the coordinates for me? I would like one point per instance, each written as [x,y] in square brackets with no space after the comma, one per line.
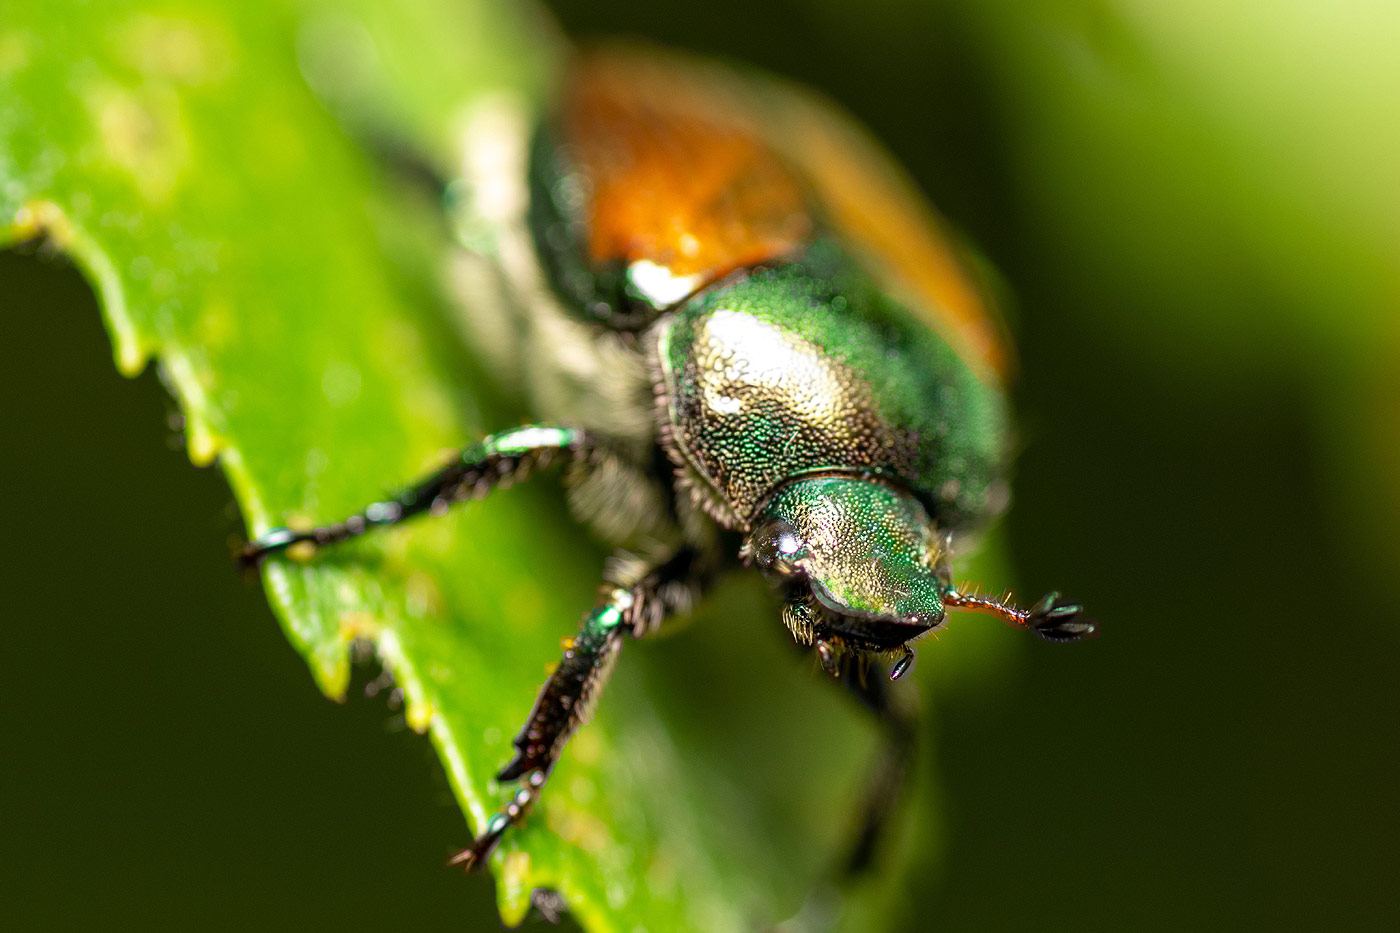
[1223,758]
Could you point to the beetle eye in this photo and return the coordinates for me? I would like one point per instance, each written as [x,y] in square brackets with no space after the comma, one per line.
[777,549]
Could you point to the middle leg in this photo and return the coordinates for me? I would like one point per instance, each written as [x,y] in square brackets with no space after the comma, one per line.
[886,783]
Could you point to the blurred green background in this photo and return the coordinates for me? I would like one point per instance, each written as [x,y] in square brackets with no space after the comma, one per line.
[1197,210]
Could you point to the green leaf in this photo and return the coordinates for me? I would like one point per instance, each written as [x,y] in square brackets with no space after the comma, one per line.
[236,233]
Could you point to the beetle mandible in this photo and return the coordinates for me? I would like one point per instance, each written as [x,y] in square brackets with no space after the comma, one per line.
[749,340]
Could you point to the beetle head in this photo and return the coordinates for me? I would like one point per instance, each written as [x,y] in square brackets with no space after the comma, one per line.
[859,560]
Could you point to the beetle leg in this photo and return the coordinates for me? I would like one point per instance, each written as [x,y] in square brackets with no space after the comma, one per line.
[569,695]
[495,461]
[1052,619]
[886,785]
[563,704]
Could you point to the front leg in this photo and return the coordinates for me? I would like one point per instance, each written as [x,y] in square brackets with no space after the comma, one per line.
[1052,619]
[567,699]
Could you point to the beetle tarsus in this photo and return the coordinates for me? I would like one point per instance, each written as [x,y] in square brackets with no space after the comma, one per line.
[281,540]
[474,856]
[550,903]
[1053,619]
[903,665]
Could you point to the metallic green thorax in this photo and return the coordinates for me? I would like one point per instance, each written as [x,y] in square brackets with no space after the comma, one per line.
[808,368]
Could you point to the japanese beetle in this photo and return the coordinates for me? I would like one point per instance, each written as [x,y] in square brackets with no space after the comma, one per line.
[749,340]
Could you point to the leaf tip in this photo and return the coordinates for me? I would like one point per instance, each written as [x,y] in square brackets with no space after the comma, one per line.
[332,675]
[203,445]
[42,219]
[515,887]
[131,357]
[419,715]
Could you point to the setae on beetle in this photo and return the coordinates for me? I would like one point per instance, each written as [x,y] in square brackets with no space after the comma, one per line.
[748,340]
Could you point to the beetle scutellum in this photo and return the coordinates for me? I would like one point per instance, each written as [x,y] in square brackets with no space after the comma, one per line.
[748,340]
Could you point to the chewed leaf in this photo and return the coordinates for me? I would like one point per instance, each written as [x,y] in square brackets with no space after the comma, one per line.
[240,236]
